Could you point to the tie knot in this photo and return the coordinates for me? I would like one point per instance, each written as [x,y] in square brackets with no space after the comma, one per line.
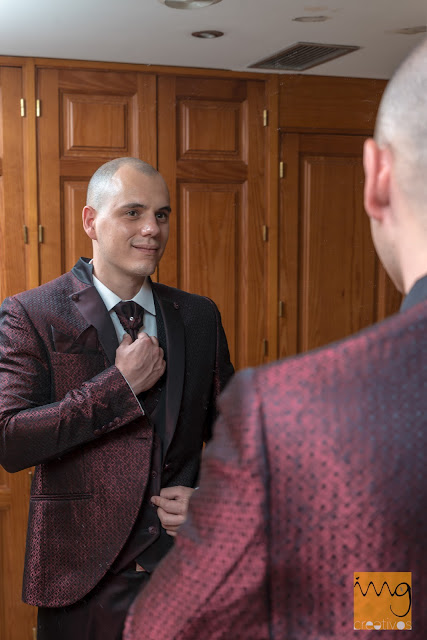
[131,316]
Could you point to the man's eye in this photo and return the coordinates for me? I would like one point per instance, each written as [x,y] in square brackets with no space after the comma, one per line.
[132,213]
[162,215]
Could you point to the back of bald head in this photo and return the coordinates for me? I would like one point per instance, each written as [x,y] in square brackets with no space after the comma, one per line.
[101,182]
[402,124]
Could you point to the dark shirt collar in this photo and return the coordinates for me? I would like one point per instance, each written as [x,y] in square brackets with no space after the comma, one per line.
[417,294]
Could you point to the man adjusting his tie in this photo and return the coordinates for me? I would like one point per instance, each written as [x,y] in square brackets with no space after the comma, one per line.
[108,383]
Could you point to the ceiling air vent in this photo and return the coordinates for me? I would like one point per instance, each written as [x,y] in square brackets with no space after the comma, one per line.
[303,55]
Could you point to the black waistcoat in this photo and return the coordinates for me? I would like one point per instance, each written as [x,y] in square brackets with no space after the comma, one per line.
[148,541]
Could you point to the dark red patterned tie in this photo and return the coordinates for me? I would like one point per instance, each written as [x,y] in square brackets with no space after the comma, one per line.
[131,316]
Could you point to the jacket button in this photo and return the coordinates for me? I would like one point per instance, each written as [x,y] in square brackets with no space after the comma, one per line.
[154,474]
[75,297]
[152,530]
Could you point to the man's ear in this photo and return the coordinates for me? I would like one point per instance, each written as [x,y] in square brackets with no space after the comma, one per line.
[377,165]
[88,217]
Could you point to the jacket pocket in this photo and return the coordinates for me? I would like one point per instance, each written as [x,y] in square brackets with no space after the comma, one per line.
[65,476]
[55,496]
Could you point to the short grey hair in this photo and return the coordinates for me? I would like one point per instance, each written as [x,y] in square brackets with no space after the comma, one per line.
[402,123]
[101,179]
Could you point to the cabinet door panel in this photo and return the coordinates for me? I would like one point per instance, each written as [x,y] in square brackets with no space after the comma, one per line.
[328,266]
[211,153]
[12,186]
[17,619]
[76,243]
[87,118]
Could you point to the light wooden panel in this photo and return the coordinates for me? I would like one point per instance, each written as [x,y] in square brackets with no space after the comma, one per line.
[75,242]
[3,281]
[210,130]
[12,205]
[4,507]
[113,116]
[331,104]
[289,230]
[338,260]
[328,266]
[211,267]
[18,619]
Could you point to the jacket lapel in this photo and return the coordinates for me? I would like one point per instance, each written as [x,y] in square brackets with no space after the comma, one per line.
[93,310]
[175,345]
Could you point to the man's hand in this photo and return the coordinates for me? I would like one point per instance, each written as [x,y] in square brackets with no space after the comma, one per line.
[141,362]
[172,506]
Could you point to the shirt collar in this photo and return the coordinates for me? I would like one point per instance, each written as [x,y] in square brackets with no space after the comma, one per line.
[144,297]
[418,293]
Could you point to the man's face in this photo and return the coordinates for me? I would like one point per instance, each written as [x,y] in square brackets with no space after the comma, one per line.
[130,228]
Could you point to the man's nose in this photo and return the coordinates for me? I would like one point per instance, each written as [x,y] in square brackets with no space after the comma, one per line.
[149,225]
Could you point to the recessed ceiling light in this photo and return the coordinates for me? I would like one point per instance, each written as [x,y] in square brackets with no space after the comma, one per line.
[207,34]
[188,4]
[311,19]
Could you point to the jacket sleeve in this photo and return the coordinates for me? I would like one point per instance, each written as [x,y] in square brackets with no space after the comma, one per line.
[224,370]
[214,582]
[33,429]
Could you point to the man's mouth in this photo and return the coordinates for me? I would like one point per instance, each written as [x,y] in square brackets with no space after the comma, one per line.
[149,248]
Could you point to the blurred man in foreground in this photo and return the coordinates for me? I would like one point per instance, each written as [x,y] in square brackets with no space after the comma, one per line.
[318,468]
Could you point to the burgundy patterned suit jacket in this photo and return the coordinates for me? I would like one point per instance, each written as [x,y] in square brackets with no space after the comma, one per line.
[317,469]
[66,408]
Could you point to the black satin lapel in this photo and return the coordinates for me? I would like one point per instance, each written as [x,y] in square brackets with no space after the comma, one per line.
[90,304]
[175,341]
[83,270]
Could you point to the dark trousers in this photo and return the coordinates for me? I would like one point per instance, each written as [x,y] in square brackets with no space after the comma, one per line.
[98,616]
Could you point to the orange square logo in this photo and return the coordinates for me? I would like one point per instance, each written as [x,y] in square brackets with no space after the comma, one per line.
[382,601]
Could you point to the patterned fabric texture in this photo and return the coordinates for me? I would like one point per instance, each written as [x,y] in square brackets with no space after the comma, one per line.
[317,470]
[66,408]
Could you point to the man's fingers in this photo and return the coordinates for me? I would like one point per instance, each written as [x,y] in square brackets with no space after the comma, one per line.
[169,520]
[175,507]
[126,339]
[176,493]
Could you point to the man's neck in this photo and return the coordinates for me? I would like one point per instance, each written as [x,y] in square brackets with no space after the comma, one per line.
[125,288]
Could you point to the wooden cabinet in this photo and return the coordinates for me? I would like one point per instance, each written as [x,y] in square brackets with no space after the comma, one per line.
[289,260]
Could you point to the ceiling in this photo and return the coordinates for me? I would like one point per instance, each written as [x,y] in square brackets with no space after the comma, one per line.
[146,31]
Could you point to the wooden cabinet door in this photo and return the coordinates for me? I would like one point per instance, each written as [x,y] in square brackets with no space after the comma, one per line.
[330,279]
[211,153]
[17,620]
[12,200]
[86,118]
